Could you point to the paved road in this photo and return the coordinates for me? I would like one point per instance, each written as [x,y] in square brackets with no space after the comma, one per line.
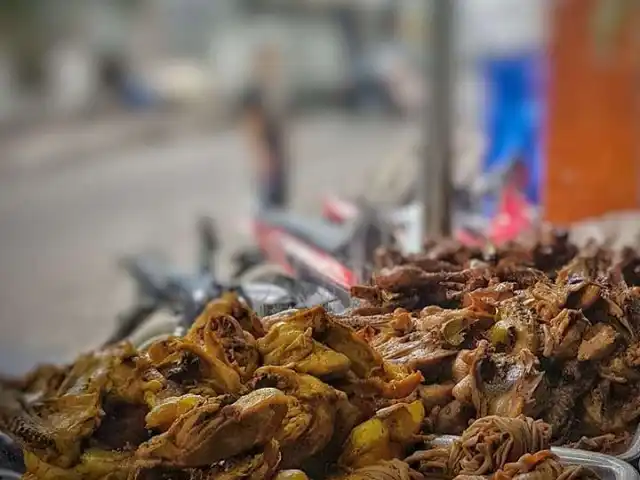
[62,227]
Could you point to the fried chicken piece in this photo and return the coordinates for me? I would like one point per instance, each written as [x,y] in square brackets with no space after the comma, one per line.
[59,445]
[256,465]
[454,326]
[582,294]
[591,263]
[399,320]
[507,385]
[485,300]
[229,304]
[545,300]
[292,342]
[437,395]
[398,279]
[55,427]
[217,430]
[189,365]
[516,328]
[93,465]
[383,470]
[622,366]
[221,336]
[565,389]
[383,437]
[451,250]
[371,294]
[162,416]
[417,350]
[312,342]
[563,334]
[599,341]
[259,466]
[610,408]
[521,275]
[309,424]
[411,287]
[451,418]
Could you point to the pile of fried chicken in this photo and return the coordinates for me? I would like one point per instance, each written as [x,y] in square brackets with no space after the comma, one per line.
[545,330]
[298,396]
[515,349]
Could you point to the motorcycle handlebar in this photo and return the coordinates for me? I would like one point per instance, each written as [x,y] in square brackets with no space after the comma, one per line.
[129,322]
[151,277]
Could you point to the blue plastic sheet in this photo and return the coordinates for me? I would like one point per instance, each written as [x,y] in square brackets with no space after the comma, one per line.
[513,123]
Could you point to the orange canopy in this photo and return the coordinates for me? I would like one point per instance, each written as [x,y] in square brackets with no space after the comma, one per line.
[594,99]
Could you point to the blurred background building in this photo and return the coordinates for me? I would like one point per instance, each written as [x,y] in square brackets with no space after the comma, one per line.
[71,57]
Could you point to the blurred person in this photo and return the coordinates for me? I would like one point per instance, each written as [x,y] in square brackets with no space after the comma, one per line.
[390,73]
[264,107]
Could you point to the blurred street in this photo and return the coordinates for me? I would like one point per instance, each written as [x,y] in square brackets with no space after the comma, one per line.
[64,223]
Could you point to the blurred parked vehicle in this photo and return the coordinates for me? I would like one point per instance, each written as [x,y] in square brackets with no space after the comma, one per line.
[292,247]
[168,300]
[514,214]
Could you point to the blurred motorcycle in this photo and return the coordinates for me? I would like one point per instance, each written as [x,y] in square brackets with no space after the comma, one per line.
[169,300]
[514,213]
[293,247]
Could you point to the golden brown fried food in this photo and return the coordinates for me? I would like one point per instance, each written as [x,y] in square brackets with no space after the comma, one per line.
[383,437]
[229,304]
[291,475]
[162,416]
[259,465]
[292,342]
[312,408]
[504,331]
[56,426]
[222,336]
[217,429]
[507,385]
[382,470]
[312,342]
[190,366]
[93,465]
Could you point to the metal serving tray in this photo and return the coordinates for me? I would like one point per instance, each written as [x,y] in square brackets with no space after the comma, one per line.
[608,467]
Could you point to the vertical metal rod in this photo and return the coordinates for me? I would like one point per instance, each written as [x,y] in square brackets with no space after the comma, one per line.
[435,182]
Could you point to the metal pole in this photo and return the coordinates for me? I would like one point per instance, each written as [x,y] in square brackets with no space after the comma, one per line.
[436,165]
